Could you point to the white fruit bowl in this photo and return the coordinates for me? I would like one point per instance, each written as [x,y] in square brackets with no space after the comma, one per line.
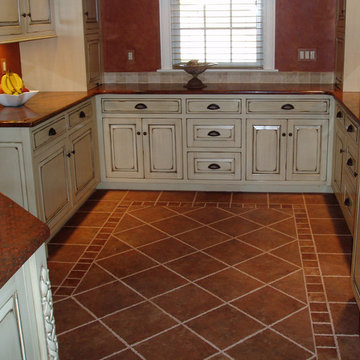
[17,100]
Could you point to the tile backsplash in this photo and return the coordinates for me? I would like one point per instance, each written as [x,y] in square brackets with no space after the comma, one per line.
[222,77]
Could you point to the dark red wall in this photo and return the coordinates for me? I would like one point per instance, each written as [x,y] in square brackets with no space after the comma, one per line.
[131,25]
[134,25]
[305,24]
[11,52]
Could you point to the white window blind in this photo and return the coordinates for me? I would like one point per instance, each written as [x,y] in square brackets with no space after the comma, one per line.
[228,32]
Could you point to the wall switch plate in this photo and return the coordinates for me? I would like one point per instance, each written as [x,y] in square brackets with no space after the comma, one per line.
[307,55]
[3,66]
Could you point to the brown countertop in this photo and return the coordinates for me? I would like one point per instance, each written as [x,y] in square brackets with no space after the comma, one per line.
[44,105]
[21,234]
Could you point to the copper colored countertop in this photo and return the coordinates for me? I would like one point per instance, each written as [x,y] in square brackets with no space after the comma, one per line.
[45,105]
[21,234]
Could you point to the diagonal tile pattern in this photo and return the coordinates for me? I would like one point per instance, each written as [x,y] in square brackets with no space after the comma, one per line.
[196,275]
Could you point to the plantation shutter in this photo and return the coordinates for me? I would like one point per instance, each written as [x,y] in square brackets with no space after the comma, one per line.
[228,32]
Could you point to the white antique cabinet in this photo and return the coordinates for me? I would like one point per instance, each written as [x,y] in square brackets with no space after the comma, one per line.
[52,168]
[280,149]
[143,148]
[26,19]
[27,326]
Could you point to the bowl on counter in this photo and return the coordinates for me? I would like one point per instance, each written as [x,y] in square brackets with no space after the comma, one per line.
[17,100]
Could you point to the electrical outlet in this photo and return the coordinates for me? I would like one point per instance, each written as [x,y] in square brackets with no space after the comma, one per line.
[307,55]
[131,55]
[3,66]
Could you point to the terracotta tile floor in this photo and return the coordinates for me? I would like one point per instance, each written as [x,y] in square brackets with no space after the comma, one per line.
[195,275]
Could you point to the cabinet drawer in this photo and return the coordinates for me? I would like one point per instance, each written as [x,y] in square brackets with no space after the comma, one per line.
[348,202]
[228,106]
[351,162]
[213,166]
[214,133]
[351,128]
[141,105]
[49,132]
[287,106]
[81,114]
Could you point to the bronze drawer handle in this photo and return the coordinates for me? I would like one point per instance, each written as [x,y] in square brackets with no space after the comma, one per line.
[350,129]
[82,115]
[288,107]
[52,132]
[213,107]
[347,202]
[214,166]
[350,162]
[213,133]
[140,106]
[339,115]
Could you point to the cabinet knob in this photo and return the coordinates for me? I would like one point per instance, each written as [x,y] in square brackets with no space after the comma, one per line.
[73,152]
[213,107]
[214,166]
[68,155]
[23,15]
[347,202]
[350,129]
[140,106]
[82,115]
[52,132]
[145,133]
[138,133]
[288,107]
[213,133]
[355,174]
[290,134]
[86,13]
[350,162]
[283,134]
[341,151]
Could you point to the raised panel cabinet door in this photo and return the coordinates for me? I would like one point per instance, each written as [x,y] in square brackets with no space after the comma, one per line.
[123,148]
[266,149]
[54,184]
[162,148]
[12,175]
[307,150]
[93,60]
[10,17]
[82,160]
[338,160]
[40,16]
[91,15]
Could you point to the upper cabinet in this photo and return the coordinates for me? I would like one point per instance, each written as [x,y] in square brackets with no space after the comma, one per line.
[22,20]
[91,16]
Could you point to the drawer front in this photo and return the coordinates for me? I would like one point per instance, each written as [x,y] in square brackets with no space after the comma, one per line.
[288,106]
[351,162]
[351,128]
[82,114]
[214,166]
[348,202]
[49,132]
[210,106]
[144,106]
[214,133]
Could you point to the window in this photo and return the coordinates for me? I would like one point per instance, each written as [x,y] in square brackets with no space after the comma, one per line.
[233,33]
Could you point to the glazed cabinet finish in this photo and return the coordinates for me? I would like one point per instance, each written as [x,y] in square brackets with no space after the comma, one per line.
[26,19]
[52,168]
[23,331]
[138,148]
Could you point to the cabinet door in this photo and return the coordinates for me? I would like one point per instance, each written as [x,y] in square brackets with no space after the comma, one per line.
[338,160]
[307,149]
[40,16]
[12,179]
[10,17]
[162,148]
[82,161]
[266,149]
[355,276]
[53,182]
[93,60]
[123,148]
[91,16]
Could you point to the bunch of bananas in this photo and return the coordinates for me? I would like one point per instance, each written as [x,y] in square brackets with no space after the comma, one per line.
[12,84]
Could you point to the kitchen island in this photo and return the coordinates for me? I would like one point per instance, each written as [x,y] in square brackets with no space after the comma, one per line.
[27,327]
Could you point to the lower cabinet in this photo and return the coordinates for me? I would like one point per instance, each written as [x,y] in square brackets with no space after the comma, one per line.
[27,326]
[143,148]
[280,149]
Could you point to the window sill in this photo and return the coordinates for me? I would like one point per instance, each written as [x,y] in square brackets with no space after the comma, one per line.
[222,70]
